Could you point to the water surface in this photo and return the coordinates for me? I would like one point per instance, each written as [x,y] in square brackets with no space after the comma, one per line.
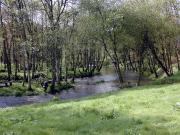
[105,82]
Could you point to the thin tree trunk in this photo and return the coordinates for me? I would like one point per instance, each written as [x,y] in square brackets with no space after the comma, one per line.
[29,71]
[153,51]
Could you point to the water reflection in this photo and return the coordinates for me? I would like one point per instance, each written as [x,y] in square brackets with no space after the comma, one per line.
[105,82]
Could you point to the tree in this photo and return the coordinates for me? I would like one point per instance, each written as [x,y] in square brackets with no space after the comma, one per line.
[54,10]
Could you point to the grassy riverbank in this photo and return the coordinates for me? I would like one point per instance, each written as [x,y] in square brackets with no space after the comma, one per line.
[146,110]
[18,90]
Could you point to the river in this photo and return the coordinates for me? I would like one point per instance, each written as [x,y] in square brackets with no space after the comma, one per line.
[105,82]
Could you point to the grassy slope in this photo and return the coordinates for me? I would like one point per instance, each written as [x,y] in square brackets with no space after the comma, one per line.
[146,110]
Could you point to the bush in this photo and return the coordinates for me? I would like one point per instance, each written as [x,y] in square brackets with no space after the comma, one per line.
[63,86]
[13,77]
[31,93]
[18,93]
[2,71]
[3,77]
[18,90]
[38,75]
[168,80]
[18,77]
[101,81]
[55,99]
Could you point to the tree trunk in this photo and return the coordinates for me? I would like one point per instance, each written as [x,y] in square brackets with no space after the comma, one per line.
[153,51]
[29,71]
[53,63]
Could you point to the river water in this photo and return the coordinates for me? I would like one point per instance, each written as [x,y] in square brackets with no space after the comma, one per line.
[105,82]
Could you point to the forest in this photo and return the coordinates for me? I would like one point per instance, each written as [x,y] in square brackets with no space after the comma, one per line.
[64,49]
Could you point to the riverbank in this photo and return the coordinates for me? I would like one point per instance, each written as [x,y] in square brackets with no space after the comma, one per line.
[83,87]
[18,90]
[151,109]
[37,89]
[105,82]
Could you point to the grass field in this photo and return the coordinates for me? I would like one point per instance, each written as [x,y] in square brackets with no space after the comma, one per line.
[146,110]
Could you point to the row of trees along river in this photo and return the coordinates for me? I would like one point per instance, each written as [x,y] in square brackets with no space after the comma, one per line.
[70,37]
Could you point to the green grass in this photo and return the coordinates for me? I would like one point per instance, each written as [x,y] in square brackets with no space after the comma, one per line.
[168,80]
[18,90]
[99,82]
[146,110]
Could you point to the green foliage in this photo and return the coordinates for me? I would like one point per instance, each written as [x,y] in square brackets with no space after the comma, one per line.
[101,81]
[4,76]
[81,74]
[20,77]
[18,90]
[168,80]
[55,99]
[63,86]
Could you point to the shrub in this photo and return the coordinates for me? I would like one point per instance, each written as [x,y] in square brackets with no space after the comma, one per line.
[168,80]
[38,75]
[13,77]
[63,86]
[55,99]
[18,93]
[2,71]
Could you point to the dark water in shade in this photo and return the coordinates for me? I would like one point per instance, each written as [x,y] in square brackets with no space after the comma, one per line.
[105,82]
